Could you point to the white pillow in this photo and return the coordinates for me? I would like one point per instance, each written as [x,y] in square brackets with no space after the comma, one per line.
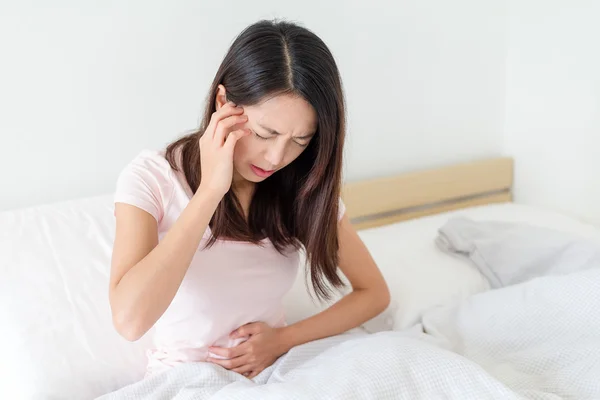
[419,276]
[55,322]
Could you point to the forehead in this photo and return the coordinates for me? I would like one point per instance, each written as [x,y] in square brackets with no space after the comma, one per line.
[286,114]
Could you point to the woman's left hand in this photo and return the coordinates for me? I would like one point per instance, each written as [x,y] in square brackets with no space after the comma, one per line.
[263,347]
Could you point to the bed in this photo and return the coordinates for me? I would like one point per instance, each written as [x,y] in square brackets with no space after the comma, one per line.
[59,342]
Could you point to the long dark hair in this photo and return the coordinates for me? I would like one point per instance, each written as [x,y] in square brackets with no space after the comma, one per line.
[297,206]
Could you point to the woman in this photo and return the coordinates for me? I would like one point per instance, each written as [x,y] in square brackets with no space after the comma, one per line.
[208,232]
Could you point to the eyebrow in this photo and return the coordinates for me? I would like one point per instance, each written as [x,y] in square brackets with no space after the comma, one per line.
[274,132]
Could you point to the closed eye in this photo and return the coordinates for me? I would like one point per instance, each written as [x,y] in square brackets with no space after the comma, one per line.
[267,138]
[260,137]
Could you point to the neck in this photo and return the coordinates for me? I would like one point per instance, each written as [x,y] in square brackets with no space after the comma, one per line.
[242,187]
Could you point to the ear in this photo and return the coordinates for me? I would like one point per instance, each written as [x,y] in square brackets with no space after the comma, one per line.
[221,97]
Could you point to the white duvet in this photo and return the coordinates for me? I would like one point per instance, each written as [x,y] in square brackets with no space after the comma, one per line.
[537,339]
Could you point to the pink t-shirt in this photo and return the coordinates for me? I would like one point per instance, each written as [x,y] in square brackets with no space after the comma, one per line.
[226,286]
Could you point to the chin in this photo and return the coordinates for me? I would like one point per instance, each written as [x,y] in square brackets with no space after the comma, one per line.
[253,178]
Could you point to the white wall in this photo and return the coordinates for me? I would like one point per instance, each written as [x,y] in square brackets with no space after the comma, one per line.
[85,84]
[553,104]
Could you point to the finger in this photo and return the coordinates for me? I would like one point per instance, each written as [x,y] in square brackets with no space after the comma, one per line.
[229,364]
[220,351]
[227,125]
[243,370]
[227,110]
[231,352]
[252,374]
[246,330]
[233,137]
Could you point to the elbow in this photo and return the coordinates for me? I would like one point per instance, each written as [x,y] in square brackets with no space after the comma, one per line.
[129,328]
[384,298]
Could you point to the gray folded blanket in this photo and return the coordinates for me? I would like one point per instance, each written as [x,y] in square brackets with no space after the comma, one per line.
[507,253]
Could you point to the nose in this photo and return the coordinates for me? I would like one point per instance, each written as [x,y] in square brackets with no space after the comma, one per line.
[275,154]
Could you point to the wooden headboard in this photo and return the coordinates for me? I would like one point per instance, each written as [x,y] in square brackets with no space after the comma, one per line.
[383,201]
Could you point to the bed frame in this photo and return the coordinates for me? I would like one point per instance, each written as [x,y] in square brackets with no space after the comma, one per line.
[382,201]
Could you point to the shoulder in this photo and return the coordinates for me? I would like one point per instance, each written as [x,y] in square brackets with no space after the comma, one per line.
[150,161]
[148,166]
[146,182]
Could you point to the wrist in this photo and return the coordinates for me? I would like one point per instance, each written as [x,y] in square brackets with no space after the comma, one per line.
[210,195]
[287,338]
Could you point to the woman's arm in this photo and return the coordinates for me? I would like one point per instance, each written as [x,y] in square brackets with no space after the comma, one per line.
[369,297]
[145,274]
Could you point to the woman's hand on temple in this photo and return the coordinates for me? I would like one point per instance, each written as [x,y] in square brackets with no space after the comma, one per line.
[217,145]
[263,347]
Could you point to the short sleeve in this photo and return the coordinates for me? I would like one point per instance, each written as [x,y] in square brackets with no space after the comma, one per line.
[146,182]
[341,210]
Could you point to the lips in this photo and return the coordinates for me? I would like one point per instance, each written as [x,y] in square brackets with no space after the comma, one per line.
[261,172]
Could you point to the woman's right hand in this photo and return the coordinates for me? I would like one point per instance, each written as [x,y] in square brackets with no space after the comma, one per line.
[217,145]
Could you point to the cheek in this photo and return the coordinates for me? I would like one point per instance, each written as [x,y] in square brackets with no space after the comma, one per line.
[243,148]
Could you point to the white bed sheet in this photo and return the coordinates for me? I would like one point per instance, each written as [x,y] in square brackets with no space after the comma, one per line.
[55,321]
